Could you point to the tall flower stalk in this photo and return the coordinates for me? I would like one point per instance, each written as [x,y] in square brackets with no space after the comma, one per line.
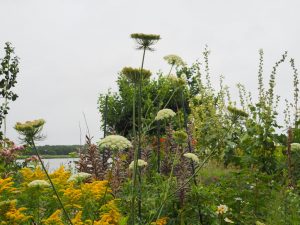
[30,132]
[144,43]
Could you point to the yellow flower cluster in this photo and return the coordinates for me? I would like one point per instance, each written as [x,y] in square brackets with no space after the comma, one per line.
[13,215]
[96,189]
[31,175]
[6,185]
[72,196]
[77,219]
[60,177]
[161,221]
[54,219]
[110,214]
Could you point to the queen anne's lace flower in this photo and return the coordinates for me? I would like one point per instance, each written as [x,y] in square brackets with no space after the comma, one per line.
[30,130]
[79,177]
[114,142]
[295,146]
[165,114]
[140,163]
[191,156]
[174,60]
[39,183]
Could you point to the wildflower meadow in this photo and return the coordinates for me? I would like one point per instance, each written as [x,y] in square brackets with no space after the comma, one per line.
[175,151]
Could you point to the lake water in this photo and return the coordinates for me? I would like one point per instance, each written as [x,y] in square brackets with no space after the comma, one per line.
[53,164]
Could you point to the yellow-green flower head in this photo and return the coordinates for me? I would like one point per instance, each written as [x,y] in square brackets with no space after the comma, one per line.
[222,209]
[237,112]
[30,129]
[140,163]
[29,125]
[145,41]
[134,74]
[180,136]
[79,177]
[174,60]
[39,183]
[295,146]
[114,142]
[192,156]
[165,114]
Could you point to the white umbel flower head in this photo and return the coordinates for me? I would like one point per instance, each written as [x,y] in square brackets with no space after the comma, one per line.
[140,163]
[114,142]
[174,60]
[165,114]
[191,156]
[295,146]
[79,177]
[39,183]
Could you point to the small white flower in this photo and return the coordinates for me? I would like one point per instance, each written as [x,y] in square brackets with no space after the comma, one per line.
[115,142]
[140,163]
[238,199]
[222,209]
[79,177]
[191,156]
[228,220]
[39,183]
[165,114]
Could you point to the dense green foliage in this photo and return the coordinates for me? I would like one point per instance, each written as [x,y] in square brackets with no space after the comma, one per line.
[54,149]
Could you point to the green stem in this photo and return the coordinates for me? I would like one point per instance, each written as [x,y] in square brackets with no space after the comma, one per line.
[169,181]
[171,70]
[52,185]
[158,146]
[183,185]
[38,206]
[135,158]
[140,133]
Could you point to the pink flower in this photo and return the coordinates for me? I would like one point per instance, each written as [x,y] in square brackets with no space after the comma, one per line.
[19,148]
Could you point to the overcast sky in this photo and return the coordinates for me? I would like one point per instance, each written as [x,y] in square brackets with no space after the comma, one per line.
[72,50]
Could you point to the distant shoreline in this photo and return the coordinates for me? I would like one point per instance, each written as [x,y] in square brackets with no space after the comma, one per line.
[48,156]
